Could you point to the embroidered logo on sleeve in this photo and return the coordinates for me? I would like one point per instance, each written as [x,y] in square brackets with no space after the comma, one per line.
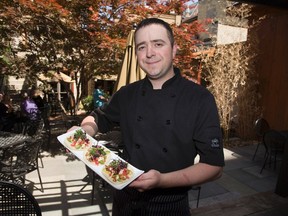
[215,143]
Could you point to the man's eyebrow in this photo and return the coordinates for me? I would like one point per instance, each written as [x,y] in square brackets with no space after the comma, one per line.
[153,41]
[158,40]
[139,44]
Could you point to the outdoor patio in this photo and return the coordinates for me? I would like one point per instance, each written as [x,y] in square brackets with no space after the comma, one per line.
[242,190]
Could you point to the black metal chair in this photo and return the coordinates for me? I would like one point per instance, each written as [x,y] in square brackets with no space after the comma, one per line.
[197,188]
[274,143]
[38,127]
[69,122]
[115,144]
[261,127]
[16,200]
[19,160]
[34,126]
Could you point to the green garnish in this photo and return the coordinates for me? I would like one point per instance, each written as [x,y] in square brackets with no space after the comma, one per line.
[79,134]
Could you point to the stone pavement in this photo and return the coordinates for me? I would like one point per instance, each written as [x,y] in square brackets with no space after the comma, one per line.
[242,190]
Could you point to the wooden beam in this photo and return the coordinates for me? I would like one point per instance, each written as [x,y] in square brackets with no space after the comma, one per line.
[273,3]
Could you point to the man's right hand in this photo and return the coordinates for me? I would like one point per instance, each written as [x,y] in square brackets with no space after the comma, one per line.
[88,125]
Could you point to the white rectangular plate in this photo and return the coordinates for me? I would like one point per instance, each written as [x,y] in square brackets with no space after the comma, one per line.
[98,168]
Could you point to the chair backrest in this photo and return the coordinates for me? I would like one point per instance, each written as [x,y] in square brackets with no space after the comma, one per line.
[27,154]
[16,200]
[261,127]
[22,159]
[34,127]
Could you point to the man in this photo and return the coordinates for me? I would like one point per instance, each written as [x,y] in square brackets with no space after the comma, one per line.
[7,114]
[165,122]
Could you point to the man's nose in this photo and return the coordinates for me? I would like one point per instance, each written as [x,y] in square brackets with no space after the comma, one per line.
[150,51]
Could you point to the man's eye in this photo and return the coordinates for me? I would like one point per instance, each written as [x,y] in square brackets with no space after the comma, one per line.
[158,45]
[140,48]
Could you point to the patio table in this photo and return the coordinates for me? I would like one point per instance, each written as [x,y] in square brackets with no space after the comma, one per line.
[8,139]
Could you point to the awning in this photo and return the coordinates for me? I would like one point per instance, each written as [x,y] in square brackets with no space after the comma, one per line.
[53,76]
[105,77]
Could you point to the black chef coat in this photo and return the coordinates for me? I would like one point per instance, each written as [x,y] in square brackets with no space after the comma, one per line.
[165,129]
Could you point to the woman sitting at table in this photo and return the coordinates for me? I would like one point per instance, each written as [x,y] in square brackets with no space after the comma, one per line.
[7,116]
[31,112]
[29,108]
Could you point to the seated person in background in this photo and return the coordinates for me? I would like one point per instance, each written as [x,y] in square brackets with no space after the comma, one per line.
[99,97]
[35,95]
[29,108]
[7,116]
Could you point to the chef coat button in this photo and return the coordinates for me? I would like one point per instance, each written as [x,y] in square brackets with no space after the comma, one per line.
[137,146]
[173,96]
[165,150]
[139,118]
[168,122]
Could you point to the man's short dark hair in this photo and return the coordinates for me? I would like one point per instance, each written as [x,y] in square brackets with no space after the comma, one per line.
[150,21]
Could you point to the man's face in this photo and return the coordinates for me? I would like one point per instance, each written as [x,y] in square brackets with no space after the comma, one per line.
[154,52]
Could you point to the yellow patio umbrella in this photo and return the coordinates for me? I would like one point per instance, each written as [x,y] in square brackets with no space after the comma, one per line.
[130,71]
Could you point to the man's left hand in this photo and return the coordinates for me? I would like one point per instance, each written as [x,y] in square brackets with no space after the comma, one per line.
[147,181]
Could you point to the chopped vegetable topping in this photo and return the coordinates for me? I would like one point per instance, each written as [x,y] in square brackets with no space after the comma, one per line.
[118,170]
[97,154]
[79,139]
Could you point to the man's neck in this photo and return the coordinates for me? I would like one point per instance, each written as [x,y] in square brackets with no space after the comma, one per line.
[158,83]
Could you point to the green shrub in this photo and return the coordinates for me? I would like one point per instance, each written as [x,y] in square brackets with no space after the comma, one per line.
[88,103]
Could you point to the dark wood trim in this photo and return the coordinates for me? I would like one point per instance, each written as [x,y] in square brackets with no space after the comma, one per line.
[282,186]
[273,3]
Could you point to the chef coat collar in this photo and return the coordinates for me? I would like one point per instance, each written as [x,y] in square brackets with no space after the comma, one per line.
[168,83]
